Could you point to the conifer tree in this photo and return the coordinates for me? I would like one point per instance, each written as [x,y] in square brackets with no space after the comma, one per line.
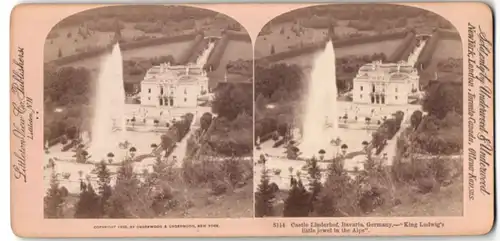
[297,202]
[54,199]
[314,181]
[104,187]
[264,197]
[130,197]
[88,205]
[324,205]
[334,193]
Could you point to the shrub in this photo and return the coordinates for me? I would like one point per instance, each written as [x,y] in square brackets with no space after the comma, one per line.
[209,170]
[219,187]
[149,27]
[264,127]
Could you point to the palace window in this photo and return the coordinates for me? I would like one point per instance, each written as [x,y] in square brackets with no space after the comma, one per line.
[396,89]
[361,88]
[185,91]
[149,90]
[161,91]
[396,97]
[185,99]
[361,96]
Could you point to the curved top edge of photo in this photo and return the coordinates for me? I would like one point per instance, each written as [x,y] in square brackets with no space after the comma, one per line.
[307,29]
[142,31]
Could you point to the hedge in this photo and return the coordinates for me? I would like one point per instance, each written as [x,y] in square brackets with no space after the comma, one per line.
[412,45]
[216,54]
[397,55]
[158,41]
[387,130]
[337,43]
[183,126]
[447,34]
[124,46]
[192,51]
[425,56]
[265,129]
[238,36]
[56,140]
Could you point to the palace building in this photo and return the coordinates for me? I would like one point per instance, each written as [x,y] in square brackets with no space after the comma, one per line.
[385,83]
[173,86]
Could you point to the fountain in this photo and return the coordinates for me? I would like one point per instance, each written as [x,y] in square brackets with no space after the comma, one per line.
[109,122]
[202,59]
[320,123]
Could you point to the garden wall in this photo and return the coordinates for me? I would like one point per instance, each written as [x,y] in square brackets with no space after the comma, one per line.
[125,46]
[337,44]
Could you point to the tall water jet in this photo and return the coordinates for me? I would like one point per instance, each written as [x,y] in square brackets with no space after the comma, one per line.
[109,122]
[320,120]
[202,59]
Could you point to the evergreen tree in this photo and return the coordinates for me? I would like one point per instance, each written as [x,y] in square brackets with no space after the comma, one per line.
[324,205]
[159,168]
[260,102]
[297,202]
[88,205]
[336,192]
[264,197]
[54,199]
[104,179]
[314,181]
[130,197]
[162,171]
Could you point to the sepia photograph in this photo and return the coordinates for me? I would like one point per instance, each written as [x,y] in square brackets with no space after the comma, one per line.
[148,113]
[358,113]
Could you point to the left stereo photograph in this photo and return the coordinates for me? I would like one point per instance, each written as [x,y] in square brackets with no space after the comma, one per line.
[148,113]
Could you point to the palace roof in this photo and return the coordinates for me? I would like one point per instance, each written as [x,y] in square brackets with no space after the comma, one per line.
[393,71]
[178,74]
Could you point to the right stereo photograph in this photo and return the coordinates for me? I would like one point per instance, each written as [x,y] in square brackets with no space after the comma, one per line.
[358,112]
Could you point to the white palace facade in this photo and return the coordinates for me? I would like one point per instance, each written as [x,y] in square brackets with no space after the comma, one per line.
[385,83]
[173,86]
